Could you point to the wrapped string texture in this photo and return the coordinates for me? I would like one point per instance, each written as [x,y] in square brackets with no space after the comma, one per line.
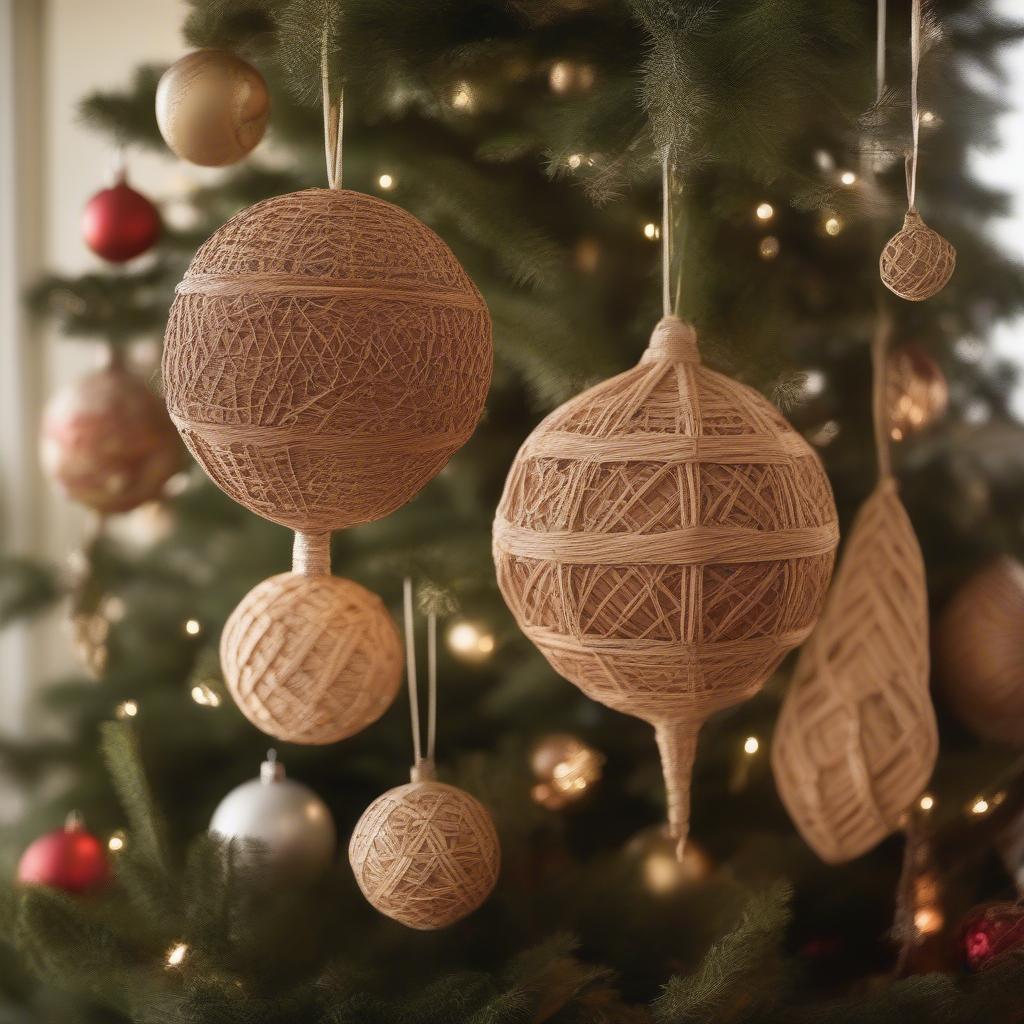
[916,262]
[856,741]
[311,658]
[325,356]
[664,538]
[425,854]
[979,647]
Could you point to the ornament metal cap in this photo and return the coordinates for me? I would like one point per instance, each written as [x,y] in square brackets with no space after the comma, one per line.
[271,770]
[672,340]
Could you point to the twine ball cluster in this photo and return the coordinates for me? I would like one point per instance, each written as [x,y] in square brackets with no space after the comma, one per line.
[425,854]
[212,108]
[856,741]
[107,442]
[311,659]
[917,393]
[325,356]
[916,262]
[979,647]
[664,538]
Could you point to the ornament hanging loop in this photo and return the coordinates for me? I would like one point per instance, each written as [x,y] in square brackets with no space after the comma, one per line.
[915,112]
[334,117]
[423,766]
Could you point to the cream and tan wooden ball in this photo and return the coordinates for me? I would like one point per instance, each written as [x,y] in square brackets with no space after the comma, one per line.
[325,356]
[425,854]
[979,650]
[212,107]
[916,262]
[311,658]
[856,741]
[664,538]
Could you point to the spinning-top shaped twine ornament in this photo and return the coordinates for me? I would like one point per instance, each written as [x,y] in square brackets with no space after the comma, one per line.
[425,854]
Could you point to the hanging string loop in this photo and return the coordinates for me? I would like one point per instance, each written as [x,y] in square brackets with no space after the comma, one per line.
[334,116]
[915,112]
[423,766]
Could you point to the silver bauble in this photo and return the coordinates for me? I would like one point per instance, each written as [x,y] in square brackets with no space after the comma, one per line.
[291,824]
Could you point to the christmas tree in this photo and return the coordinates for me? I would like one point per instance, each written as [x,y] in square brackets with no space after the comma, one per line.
[538,139]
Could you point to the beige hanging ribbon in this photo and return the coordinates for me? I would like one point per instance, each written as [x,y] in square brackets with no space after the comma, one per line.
[423,767]
[334,119]
[915,113]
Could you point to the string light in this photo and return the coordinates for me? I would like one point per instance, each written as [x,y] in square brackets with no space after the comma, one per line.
[652,231]
[825,434]
[896,434]
[176,954]
[765,211]
[927,802]
[205,696]
[469,641]
[386,182]
[575,160]
[928,117]
[848,178]
[751,745]
[833,225]
[824,159]
[114,608]
[928,920]
[127,709]
[116,842]
[768,247]
[193,627]
[980,806]
[567,76]
[462,97]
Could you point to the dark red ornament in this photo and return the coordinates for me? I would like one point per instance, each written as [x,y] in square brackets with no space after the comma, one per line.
[989,931]
[69,858]
[119,223]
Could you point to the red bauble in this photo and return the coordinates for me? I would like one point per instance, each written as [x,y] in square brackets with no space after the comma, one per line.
[119,223]
[989,931]
[68,858]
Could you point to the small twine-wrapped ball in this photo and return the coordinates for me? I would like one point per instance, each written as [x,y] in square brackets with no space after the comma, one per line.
[979,647]
[212,108]
[107,442]
[664,538]
[916,392]
[856,741]
[311,659]
[425,854]
[916,262]
[325,356]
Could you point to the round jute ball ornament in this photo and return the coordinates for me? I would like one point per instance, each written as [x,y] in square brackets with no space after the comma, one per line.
[664,538]
[212,108]
[311,658]
[856,741]
[325,356]
[979,647]
[107,443]
[425,854]
[916,262]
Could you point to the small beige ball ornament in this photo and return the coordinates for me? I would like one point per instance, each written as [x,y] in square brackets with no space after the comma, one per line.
[916,262]
[325,356]
[425,854]
[212,108]
[308,657]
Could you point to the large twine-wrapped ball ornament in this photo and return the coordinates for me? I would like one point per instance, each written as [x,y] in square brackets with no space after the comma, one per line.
[664,538]
[311,658]
[425,854]
[325,356]
[107,443]
[212,108]
[856,741]
[916,262]
[916,391]
[979,647]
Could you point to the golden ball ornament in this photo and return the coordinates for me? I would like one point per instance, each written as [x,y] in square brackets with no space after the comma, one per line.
[664,539]
[107,443]
[311,658]
[979,650]
[916,390]
[425,854]
[325,356]
[566,769]
[212,108]
[916,262]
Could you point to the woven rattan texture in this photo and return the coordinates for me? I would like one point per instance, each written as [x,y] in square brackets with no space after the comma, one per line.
[425,854]
[856,740]
[664,538]
[979,647]
[311,659]
[326,355]
[212,107]
[916,262]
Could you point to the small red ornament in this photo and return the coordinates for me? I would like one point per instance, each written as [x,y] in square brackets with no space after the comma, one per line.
[989,931]
[69,858]
[119,223]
